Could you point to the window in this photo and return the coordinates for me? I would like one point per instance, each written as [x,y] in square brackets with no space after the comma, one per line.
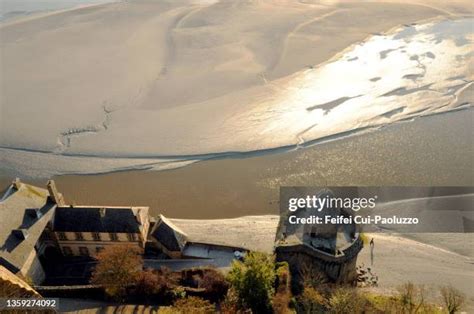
[84,251]
[99,249]
[67,251]
[62,236]
[79,236]
[113,237]
[96,236]
[131,237]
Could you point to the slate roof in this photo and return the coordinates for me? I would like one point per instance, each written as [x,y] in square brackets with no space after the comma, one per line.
[170,236]
[89,219]
[254,233]
[16,218]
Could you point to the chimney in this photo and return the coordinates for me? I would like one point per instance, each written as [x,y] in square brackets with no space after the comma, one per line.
[16,184]
[102,212]
[54,195]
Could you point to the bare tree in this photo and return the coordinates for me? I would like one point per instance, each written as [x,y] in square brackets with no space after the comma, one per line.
[453,298]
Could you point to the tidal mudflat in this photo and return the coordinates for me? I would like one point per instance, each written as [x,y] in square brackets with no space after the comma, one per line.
[203,109]
[82,99]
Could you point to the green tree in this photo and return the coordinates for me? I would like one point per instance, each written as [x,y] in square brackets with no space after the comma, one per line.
[253,280]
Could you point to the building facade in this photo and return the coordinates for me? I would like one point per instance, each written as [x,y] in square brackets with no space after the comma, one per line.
[85,231]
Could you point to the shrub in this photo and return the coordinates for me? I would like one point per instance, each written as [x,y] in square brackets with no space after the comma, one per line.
[253,281]
[215,284]
[282,299]
[453,299]
[312,276]
[311,301]
[189,305]
[346,300]
[150,282]
[178,292]
[230,304]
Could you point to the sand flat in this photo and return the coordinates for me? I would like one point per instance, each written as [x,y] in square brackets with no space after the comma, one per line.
[186,77]
[398,260]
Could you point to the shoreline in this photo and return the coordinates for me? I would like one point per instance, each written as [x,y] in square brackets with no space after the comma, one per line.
[434,150]
[171,162]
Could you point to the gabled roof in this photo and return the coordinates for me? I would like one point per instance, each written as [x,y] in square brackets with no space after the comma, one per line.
[255,233]
[97,219]
[19,228]
[168,235]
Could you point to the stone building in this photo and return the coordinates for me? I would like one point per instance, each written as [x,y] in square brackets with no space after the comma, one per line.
[25,211]
[327,251]
[84,230]
[177,239]
[36,224]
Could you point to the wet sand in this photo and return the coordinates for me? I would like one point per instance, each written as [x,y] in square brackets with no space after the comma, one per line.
[435,150]
[398,260]
[215,78]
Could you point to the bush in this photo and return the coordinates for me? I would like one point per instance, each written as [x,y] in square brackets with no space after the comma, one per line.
[346,300]
[189,305]
[312,276]
[215,284]
[230,305]
[311,301]
[282,299]
[150,282]
[253,281]
[453,299]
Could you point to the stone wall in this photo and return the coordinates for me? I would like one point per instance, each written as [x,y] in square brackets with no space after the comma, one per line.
[33,269]
[305,261]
